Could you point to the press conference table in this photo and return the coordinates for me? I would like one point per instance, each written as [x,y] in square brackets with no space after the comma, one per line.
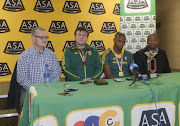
[115,104]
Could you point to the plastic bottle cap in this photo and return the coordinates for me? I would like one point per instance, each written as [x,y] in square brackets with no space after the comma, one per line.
[46,65]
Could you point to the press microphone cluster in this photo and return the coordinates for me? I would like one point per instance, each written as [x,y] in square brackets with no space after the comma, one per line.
[135,68]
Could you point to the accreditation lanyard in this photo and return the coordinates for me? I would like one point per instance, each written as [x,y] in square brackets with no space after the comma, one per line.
[84,56]
[119,65]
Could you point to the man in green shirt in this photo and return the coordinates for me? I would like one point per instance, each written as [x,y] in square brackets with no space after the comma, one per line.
[116,61]
[81,62]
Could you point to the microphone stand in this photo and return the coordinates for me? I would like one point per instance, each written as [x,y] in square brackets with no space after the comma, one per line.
[137,78]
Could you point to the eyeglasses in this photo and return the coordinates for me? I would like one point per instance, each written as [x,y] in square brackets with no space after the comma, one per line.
[42,37]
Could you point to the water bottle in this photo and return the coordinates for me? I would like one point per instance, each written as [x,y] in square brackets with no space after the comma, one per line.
[47,76]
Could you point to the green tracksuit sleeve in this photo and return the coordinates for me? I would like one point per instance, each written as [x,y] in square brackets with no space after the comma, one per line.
[66,63]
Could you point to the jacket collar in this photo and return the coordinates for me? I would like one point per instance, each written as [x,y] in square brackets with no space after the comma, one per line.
[75,47]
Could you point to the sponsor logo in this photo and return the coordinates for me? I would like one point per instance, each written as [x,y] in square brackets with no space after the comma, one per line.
[146,18]
[86,24]
[153,17]
[124,26]
[3,26]
[58,27]
[143,40]
[98,44]
[50,46]
[108,27]
[133,40]
[68,44]
[138,47]
[151,25]
[137,19]
[146,114]
[129,47]
[137,4]
[4,69]
[43,6]
[128,18]
[14,47]
[28,25]
[117,9]
[137,33]
[71,7]
[106,116]
[146,32]
[121,19]
[97,8]
[13,5]
[129,33]
[142,25]
[133,26]
[127,40]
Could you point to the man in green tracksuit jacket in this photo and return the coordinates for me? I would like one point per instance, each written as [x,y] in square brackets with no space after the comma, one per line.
[81,62]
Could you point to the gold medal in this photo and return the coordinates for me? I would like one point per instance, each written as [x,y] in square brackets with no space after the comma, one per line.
[121,74]
[84,63]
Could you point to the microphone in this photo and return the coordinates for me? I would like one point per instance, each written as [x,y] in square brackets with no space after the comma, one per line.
[135,68]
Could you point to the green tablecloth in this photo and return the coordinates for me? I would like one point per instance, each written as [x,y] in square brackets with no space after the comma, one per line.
[106,105]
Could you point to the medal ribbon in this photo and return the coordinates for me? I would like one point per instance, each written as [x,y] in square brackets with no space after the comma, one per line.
[84,56]
[119,66]
[83,60]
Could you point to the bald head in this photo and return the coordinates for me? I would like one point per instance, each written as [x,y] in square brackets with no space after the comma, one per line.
[152,41]
[119,34]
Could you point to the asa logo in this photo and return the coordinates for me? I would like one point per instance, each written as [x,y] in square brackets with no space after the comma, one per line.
[28,25]
[97,8]
[68,44]
[71,7]
[86,24]
[58,27]
[146,114]
[106,116]
[50,46]
[14,47]
[3,26]
[13,5]
[4,69]
[99,45]
[117,9]
[108,27]
[137,4]
[43,6]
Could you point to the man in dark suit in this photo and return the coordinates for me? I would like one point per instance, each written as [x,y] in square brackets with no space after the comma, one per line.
[140,57]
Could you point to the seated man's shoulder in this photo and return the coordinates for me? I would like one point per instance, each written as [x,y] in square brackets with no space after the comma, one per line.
[162,51]
[128,53]
[27,52]
[106,52]
[141,51]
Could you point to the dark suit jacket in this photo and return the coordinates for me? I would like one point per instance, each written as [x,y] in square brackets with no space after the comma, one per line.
[140,58]
[13,99]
